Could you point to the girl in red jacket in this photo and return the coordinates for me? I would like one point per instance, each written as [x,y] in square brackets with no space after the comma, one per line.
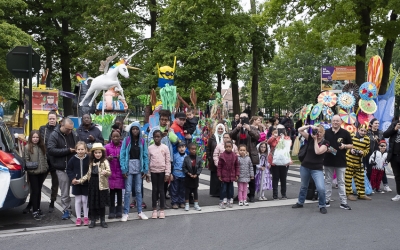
[228,172]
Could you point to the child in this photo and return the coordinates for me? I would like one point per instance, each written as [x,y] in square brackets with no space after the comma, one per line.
[221,148]
[116,180]
[246,173]
[190,125]
[160,170]
[263,176]
[97,176]
[178,184]
[35,154]
[77,167]
[227,172]
[378,162]
[192,166]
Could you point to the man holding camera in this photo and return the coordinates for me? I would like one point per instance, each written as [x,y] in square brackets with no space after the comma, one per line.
[247,135]
[355,168]
[340,141]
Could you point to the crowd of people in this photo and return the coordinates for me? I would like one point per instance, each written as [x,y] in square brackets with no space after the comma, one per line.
[252,153]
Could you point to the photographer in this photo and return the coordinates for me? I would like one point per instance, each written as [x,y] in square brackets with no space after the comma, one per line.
[247,135]
[312,165]
[355,168]
[393,133]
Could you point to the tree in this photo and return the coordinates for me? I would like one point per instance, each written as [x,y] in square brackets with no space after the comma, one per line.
[347,23]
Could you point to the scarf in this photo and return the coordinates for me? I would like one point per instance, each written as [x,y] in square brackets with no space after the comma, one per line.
[219,137]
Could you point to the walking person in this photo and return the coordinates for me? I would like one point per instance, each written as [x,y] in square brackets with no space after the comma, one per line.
[335,160]
[61,148]
[246,174]
[97,176]
[35,158]
[134,166]
[78,167]
[312,165]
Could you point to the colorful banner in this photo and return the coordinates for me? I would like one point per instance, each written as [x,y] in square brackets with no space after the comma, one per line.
[45,100]
[334,78]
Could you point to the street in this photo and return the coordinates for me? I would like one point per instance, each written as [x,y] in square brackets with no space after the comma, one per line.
[264,224]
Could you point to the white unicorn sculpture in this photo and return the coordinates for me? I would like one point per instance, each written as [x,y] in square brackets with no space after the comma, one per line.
[110,77]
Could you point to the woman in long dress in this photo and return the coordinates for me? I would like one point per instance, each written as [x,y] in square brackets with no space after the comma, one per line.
[215,139]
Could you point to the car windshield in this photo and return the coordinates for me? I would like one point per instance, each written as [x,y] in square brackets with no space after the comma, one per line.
[6,140]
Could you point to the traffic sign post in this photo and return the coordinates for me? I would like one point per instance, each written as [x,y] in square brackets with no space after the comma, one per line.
[23,62]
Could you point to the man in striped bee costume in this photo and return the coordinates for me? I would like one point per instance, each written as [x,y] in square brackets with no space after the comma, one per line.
[355,169]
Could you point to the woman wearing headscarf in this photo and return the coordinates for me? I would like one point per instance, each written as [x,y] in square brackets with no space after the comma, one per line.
[215,139]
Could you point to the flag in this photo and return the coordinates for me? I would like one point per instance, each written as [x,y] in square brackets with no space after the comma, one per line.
[385,112]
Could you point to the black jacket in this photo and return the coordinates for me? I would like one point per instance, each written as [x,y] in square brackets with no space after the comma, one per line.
[45,132]
[390,133]
[77,168]
[84,133]
[196,170]
[190,125]
[58,150]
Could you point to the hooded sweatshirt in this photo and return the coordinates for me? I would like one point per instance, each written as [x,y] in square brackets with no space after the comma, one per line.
[126,147]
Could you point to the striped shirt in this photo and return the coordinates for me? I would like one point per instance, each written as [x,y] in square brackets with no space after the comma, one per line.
[358,144]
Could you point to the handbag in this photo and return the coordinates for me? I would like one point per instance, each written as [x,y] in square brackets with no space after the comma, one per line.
[32,165]
[302,152]
[281,155]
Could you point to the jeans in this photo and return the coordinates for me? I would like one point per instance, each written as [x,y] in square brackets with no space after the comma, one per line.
[226,190]
[177,190]
[340,180]
[138,191]
[318,176]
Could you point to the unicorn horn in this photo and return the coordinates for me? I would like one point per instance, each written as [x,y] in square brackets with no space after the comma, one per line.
[130,67]
[130,57]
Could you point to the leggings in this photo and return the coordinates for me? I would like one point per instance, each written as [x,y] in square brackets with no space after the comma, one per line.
[96,213]
[81,202]
[112,197]
[242,191]
[193,191]
[36,181]
[157,183]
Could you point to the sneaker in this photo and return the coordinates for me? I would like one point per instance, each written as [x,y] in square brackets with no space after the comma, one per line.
[78,222]
[222,205]
[197,208]
[161,215]
[297,205]
[380,191]
[373,191]
[284,198]
[187,207]
[66,215]
[85,221]
[275,197]
[386,188]
[260,198]
[142,216]
[245,203]
[345,206]
[323,210]
[251,199]
[37,216]
[240,203]
[396,198]
[265,198]
[154,214]
[175,206]
[182,205]
[328,204]
[125,217]
[364,197]
[133,204]
[352,197]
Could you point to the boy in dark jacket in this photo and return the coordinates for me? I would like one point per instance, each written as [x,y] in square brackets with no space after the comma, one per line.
[192,167]
[190,125]
[228,172]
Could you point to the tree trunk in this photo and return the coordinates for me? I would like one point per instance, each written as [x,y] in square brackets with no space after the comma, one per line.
[235,89]
[254,69]
[365,30]
[49,64]
[65,68]
[153,16]
[387,59]
[219,85]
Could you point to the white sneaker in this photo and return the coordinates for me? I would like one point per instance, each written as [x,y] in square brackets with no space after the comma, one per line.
[240,203]
[197,208]
[396,198]
[245,203]
[386,188]
[141,216]
[125,217]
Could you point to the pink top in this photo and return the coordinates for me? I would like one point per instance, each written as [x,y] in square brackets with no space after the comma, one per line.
[219,149]
[159,159]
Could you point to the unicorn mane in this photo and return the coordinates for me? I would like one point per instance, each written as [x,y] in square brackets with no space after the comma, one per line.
[122,61]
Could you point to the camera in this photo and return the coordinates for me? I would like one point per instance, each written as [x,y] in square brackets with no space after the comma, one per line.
[244,120]
[314,131]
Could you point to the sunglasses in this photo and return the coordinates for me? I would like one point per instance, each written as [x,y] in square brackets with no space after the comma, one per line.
[167,73]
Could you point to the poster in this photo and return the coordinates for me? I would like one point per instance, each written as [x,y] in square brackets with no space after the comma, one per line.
[334,78]
[45,100]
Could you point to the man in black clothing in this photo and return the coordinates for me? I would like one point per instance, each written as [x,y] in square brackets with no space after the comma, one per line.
[236,121]
[88,132]
[45,132]
[61,147]
[393,133]
[288,123]
[335,159]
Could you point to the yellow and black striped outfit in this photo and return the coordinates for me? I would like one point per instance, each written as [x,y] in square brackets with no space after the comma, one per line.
[354,165]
